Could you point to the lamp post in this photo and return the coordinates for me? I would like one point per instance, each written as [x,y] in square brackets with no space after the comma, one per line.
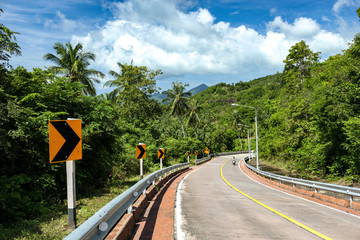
[256,132]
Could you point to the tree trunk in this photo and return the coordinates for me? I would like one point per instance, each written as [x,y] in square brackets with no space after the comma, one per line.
[182,126]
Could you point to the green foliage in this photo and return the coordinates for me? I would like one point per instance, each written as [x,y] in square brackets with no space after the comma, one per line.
[8,45]
[178,99]
[298,64]
[177,148]
[193,115]
[72,62]
[134,87]
[28,100]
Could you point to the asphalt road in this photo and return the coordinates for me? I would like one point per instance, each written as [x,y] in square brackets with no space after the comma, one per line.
[209,208]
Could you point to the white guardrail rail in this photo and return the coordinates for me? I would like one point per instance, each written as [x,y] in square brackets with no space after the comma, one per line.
[100,224]
[349,191]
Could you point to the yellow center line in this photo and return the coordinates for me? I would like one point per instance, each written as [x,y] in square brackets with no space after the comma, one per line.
[273,210]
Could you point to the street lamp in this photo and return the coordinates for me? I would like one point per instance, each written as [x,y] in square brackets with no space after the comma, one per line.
[249,142]
[256,131]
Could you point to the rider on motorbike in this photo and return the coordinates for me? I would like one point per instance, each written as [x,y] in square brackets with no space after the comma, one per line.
[233,161]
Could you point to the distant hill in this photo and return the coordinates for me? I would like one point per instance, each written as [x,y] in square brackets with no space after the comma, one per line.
[159,97]
[198,89]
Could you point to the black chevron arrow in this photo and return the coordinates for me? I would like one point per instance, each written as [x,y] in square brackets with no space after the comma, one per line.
[71,140]
[142,151]
[161,153]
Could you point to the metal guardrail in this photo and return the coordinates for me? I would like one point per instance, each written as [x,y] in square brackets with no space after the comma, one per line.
[201,160]
[100,224]
[231,153]
[349,191]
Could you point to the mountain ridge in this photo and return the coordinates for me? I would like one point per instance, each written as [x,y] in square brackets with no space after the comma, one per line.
[160,96]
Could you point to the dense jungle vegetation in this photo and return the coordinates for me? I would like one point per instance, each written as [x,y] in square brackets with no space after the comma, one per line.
[308,121]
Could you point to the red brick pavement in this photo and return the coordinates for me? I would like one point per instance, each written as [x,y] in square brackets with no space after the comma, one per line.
[157,222]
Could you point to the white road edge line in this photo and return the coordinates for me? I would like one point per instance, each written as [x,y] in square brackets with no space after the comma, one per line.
[295,195]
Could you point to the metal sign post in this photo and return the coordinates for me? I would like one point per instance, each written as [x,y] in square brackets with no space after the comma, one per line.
[141,154]
[161,155]
[71,193]
[65,144]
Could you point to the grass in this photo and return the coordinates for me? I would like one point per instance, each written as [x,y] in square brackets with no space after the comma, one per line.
[52,222]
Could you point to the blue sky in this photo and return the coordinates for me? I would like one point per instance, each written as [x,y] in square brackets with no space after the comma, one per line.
[191,41]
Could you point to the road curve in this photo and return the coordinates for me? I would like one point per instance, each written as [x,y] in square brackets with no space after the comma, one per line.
[218,201]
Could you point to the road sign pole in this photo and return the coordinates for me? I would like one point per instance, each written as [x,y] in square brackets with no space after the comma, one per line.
[141,154]
[141,168]
[249,144]
[257,143]
[188,158]
[71,193]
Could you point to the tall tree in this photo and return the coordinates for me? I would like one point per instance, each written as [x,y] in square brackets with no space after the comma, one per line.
[73,62]
[8,45]
[134,86]
[193,114]
[178,99]
[300,59]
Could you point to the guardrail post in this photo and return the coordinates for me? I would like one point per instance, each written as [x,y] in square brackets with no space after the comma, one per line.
[351,200]
[130,209]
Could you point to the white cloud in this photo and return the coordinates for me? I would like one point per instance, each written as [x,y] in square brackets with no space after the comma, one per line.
[273,11]
[161,36]
[325,19]
[62,23]
[309,30]
[328,43]
[344,3]
[347,28]
[303,28]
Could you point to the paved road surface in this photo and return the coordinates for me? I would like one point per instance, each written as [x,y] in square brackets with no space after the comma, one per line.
[211,209]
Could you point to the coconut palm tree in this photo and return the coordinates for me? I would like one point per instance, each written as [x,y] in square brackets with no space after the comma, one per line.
[72,62]
[123,80]
[194,109]
[178,98]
